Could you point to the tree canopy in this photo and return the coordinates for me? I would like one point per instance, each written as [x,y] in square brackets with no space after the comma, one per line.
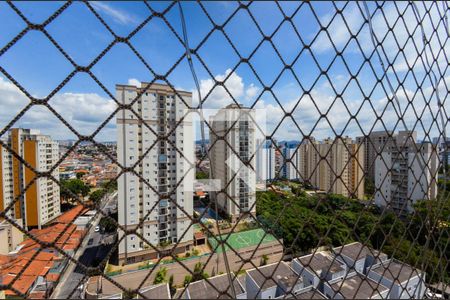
[73,186]
[305,222]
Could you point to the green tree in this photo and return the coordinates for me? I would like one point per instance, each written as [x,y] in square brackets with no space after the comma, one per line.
[419,239]
[110,186]
[198,273]
[264,259]
[129,294]
[187,280]
[160,276]
[72,187]
[201,175]
[195,252]
[171,286]
[97,195]
[108,224]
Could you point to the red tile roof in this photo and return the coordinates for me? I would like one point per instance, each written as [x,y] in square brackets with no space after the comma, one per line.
[70,216]
[52,276]
[37,295]
[66,237]
[199,235]
[200,193]
[22,284]
[4,259]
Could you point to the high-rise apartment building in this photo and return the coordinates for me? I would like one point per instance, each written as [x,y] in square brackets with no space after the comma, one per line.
[299,161]
[265,163]
[157,200]
[336,166]
[233,159]
[292,168]
[333,166]
[405,172]
[444,149]
[375,143]
[38,198]
[7,185]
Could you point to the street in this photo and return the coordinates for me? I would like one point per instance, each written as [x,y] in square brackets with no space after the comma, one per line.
[90,253]
[216,265]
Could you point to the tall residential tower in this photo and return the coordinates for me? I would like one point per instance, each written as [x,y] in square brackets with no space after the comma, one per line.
[233,159]
[405,171]
[38,199]
[159,146]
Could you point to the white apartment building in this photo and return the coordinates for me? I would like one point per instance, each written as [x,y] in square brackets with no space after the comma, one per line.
[40,202]
[405,172]
[7,185]
[374,143]
[265,164]
[300,162]
[233,161]
[292,169]
[158,206]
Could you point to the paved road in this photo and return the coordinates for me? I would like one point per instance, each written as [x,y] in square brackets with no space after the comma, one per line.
[90,253]
[133,279]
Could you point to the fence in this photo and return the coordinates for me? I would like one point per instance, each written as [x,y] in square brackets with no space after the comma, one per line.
[324,123]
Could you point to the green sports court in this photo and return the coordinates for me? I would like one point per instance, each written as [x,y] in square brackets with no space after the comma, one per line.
[242,239]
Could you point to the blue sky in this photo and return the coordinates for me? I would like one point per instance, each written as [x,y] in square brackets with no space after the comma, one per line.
[38,66]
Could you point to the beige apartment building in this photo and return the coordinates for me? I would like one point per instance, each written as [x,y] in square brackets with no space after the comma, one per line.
[38,198]
[334,166]
[159,203]
[10,237]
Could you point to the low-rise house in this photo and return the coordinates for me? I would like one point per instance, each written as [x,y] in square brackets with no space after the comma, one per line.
[272,281]
[403,281]
[160,291]
[355,286]
[37,269]
[358,257]
[317,266]
[307,293]
[215,287]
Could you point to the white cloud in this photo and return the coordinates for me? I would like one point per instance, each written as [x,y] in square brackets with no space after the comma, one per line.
[217,96]
[251,91]
[117,15]
[134,82]
[84,112]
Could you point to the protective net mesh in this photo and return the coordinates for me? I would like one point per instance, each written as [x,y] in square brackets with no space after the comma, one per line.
[357,207]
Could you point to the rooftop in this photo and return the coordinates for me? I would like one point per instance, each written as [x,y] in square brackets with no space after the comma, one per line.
[70,216]
[279,271]
[22,284]
[396,271]
[356,251]
[309,293]
[31,264]
[358,287]
[321,262]
[215,287]
[160,291]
